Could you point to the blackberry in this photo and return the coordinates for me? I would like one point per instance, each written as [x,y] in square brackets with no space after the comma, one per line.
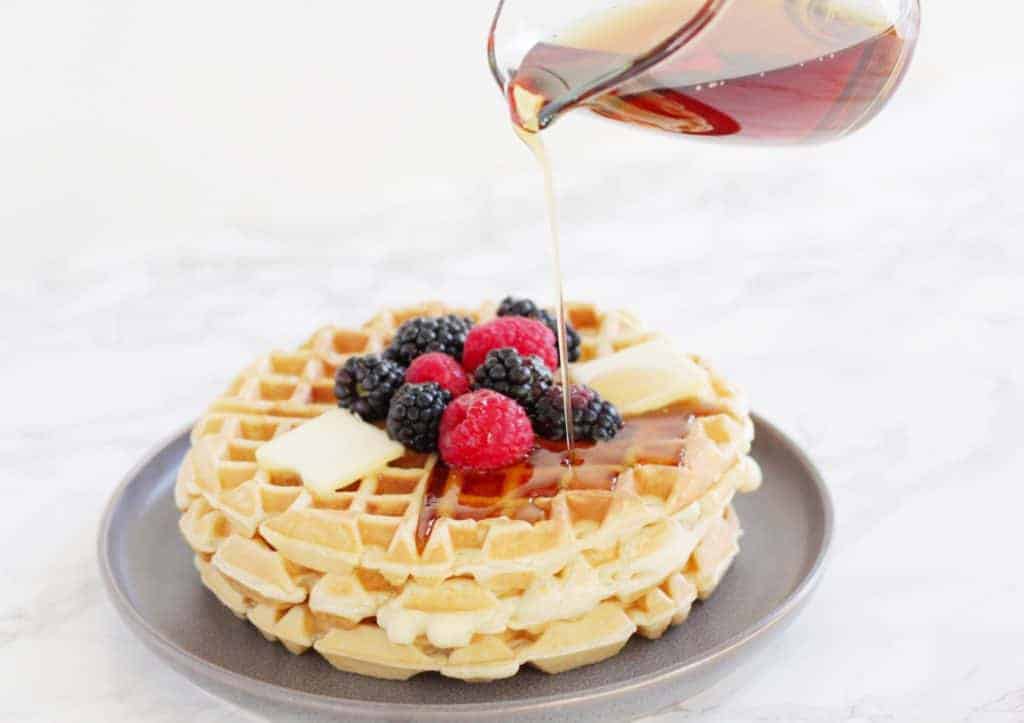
[593,418]
[511,306]
[415,415]
[429,333]
[506,371]
[365,384]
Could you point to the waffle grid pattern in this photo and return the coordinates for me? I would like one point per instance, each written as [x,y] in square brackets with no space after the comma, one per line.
[559,582]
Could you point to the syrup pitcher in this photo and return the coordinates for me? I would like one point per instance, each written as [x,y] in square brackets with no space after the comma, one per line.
[762,71]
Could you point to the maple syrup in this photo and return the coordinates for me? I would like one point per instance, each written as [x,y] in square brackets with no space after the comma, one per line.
[524,491]
[535,144]
[758,70]
[782,71]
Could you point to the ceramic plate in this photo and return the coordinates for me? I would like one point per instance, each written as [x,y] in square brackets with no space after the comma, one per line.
[148,571]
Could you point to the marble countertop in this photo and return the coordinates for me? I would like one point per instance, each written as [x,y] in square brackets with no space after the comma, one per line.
[166,218]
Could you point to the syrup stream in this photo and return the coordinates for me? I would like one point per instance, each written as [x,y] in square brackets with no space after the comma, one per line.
[536,145]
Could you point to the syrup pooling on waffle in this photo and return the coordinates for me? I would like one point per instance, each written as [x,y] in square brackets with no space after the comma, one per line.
[523,492]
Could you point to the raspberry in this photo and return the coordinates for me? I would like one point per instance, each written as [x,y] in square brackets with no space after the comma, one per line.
[592,417]
[505,371]
[415,415]
[365,384]
[511,306]
[526,336]
[484,430]
[441,368]
[429,333]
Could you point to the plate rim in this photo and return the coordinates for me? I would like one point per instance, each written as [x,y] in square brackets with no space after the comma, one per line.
[283,695]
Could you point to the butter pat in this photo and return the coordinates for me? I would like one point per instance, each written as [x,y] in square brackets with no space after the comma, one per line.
[330,452]
[645,377]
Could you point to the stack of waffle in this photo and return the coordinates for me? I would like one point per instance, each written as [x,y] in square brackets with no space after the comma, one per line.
[419,568]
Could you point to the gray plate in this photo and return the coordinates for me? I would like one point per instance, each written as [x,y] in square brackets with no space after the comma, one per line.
[149,575]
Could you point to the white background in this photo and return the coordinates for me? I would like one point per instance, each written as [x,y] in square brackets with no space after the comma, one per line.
[185,185]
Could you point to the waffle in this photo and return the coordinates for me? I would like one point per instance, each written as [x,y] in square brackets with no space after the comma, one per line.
[417,567]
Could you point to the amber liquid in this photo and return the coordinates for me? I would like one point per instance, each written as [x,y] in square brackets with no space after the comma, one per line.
[534,142]
[761,71]
[781,71]
[524,491]
[757,70]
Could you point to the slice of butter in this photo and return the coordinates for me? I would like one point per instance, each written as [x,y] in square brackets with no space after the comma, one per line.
[645,377]
[330,452]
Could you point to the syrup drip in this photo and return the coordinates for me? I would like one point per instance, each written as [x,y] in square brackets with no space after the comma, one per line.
[534,142]
[524,491]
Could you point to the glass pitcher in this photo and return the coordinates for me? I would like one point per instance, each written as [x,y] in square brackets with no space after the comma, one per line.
[764,71]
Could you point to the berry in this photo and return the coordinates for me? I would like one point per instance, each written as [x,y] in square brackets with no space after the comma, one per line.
[415,415]
[441,368]
[429,333]
[511,306]
[523,378]
[484,430]
[365,384]
[526,336]
[592,417]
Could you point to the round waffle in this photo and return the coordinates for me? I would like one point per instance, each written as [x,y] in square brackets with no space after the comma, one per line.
[416,567]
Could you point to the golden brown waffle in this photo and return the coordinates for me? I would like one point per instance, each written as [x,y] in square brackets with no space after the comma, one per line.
[416,567]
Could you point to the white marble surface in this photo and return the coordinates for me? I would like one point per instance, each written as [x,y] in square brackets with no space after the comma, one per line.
[182,187]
